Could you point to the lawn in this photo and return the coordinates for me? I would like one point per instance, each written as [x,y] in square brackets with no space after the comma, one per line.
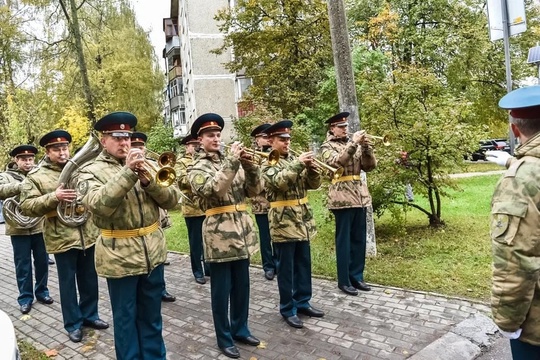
[454,260]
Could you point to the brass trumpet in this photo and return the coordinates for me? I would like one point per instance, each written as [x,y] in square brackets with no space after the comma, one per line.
[163,174]
[257,156]
[386,139]
[334,173]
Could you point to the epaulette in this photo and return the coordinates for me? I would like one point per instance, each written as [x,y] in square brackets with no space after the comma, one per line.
[514,166]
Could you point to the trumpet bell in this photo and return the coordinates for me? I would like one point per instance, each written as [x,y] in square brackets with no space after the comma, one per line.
[165,176]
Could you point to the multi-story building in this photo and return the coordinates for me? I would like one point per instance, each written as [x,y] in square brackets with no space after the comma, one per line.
[198,82]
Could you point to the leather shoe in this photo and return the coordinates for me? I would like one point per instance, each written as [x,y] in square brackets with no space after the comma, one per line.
[75,335]
[168,297]
[202,281]
[97,324]
[167,263]
[51,261]
[360,285]
[248,340]
[46,300]
[349,290]
[294,321]
[25,308]
[310,311]
[231,351]
[269,275]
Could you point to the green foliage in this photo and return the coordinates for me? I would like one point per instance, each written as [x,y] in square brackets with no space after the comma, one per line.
[160,138]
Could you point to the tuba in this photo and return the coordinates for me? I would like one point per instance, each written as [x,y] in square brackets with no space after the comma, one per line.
[14,217]
[74,214]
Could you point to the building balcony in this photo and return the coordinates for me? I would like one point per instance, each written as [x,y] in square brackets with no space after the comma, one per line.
[175,72]
[172,44]
[178,101]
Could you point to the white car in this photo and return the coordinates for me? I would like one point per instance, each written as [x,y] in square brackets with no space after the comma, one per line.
[8,341]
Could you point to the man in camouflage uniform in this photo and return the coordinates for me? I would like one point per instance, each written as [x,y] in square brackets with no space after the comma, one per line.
[348,199]
[515,222]
[138,141]
[131,248]
[193,215]
[25,241]
[260,207]
[223,182]
[73,247]
[291,223]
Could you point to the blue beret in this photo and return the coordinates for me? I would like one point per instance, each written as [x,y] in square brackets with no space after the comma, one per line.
[338,118]
[259,130]
[55,137]
[281,128]
[209,121]
[23,150]
[523,103]
[119,123]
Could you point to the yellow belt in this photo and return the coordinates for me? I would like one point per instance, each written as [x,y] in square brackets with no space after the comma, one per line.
[293,202]
[130,233]
[51,214]
[347,178]
[225,209]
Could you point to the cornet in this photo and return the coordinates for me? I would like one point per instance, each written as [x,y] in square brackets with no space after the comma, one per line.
[163,174]
[334,173]
[257,156]
[386,139]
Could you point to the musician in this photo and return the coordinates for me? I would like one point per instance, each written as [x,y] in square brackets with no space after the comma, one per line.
[26,241]
[73,247]
[223,181]
[193,215]
[138,141]
[130,248]
[260,207]
[348,199]
[291,223]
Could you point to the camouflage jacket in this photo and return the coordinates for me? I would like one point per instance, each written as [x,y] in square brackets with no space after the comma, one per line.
[290,180]
[117,200]
[38,198]
[515,235]
[338,152]
[220,181]
[11,186]
[189,209]
[259,204]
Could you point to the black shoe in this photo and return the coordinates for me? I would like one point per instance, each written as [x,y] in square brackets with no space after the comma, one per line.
[167,263]
[51,261]
[269,275]
[168,297]
[47,300]
[310,311]
[75,335]
[97,324]
[360,285]
[294,321]
[248,340]
[349,290]
[231,351]
[25,308]
[202,281]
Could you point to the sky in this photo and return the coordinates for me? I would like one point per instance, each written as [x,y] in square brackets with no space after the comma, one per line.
[150,14]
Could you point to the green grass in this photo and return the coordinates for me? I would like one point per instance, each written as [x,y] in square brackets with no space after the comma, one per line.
[454,260]
[28,352]
[481,166]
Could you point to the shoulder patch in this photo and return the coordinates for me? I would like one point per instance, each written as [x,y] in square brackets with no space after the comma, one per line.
[499,224]
[326,154]
[271,171]
[82,187]
[199,179]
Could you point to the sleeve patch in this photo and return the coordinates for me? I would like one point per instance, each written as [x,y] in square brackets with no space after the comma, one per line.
[499,224]
[199,179]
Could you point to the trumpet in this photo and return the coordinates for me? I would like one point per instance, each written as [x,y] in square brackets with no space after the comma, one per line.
[257,156]
[323,168]
[163,174]
[386,139]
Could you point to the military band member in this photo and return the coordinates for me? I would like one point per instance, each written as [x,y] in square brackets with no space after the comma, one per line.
[348,199]
[291,223]
[515,225]
[25,241]
[260,207]
[73,247]
[138,141]
[131,248]
[193,215]
[223,181]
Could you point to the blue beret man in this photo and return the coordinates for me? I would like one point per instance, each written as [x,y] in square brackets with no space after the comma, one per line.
[130,248]
[514,229]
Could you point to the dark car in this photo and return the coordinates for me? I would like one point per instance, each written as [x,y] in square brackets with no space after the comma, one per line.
[486,145]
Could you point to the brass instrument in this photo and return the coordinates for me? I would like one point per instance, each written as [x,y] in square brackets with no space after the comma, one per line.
[163,174]
[323,168]
[386,139]
[14,217]
[257,156]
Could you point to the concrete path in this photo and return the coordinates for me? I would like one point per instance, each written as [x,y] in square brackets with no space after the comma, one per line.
[386,323]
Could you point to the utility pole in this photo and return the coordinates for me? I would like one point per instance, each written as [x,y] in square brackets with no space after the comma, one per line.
[347,90]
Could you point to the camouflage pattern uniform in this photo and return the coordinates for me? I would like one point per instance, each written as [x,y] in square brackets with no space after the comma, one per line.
[291,229]
[229,238]
[73,246]
[118,202]
[25,242]
[348,201]
[193,216]
[515,220]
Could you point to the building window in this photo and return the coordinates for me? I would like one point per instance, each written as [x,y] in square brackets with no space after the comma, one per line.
[243,85]
[170,27]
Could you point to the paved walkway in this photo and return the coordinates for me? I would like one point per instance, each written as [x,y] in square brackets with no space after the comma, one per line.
[386,323]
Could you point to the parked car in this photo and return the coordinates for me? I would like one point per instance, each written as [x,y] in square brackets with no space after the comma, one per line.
[485,145]
[8,341]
